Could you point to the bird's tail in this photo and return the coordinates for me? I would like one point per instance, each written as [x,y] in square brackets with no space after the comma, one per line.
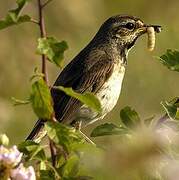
[38,132]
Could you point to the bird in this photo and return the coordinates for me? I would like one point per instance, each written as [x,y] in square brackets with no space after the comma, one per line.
[99,68]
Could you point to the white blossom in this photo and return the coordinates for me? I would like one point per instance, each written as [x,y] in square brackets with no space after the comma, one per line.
[22,173]
[10,156]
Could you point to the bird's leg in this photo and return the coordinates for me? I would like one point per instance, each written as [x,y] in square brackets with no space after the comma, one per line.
[78,127]
[87,138]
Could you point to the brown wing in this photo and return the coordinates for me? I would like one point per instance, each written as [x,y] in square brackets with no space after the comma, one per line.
[90,76]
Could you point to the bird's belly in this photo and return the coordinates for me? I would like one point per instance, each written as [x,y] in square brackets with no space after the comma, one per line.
[108,96]
[110,91]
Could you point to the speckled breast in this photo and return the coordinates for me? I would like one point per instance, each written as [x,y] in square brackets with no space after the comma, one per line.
[108,96]
[110,91]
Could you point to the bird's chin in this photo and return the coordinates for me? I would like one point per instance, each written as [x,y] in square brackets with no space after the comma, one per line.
[130,45]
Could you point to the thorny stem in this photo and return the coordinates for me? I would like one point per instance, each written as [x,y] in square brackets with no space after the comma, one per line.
[44,71]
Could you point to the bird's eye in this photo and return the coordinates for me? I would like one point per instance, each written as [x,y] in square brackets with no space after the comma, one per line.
[130,26]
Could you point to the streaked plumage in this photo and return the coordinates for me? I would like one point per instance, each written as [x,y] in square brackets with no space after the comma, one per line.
[99,68]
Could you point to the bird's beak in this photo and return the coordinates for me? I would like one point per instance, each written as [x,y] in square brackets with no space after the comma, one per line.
[157,28]
[150,30]
[142,28]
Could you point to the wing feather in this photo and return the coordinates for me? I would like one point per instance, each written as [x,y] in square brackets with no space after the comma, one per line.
[88,79]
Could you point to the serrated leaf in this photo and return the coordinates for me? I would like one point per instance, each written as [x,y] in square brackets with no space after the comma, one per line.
[32,150]
[87,98]
[61,134]
[129,117]
[53,49]
[41,99]
[13,17]
[171,109]
[17,102]
[108,129]
[171,59]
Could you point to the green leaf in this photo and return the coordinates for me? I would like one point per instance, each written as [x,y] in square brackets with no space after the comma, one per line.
[13,17]
[47,174]
[41,99]
[87,98]
[108,129]
[53,49]
[83,178]
[32,150]
[171,109]
[61,134]
[42,165]
[71,167]
[17,102]
[129,117]
[171,60]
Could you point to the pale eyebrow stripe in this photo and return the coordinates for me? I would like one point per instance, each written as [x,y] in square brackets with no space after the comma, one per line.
[140,23]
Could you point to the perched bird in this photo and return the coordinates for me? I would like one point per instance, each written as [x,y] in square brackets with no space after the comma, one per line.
[99,68]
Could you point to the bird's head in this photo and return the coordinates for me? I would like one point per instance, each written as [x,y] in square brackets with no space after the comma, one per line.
[124,30]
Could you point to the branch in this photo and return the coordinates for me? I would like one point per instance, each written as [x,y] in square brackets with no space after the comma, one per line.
[44,71]
[42,34]
[47,2]
[53,152]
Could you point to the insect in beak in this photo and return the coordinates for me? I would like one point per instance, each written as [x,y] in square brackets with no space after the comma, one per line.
[151,30]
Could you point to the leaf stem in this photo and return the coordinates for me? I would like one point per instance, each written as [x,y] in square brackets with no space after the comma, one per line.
[34,21]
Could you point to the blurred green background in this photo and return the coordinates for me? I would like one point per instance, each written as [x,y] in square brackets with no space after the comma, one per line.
[146,82]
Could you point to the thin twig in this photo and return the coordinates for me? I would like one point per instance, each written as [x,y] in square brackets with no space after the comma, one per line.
[60,150]
[53,152]
[44,71]
[47,2]
[43,35]
[34,21]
